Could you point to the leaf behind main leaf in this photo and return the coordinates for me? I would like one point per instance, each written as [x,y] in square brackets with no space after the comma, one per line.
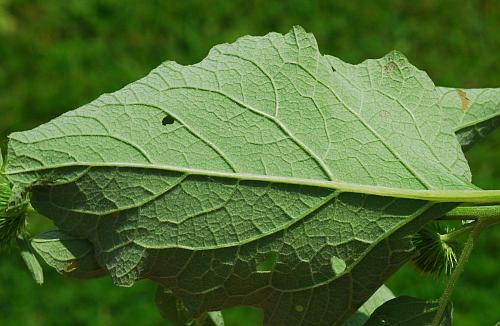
[473,113]
[30,260]
[408,311]
[68,255]
[359,318]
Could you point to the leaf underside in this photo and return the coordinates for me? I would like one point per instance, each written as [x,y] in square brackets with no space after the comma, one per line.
[474,113]
[68,255]
[195,176]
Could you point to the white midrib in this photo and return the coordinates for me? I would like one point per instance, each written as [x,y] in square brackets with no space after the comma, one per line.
[462,196]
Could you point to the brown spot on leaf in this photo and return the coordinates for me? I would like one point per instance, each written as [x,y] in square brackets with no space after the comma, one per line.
[384,114]
[71,267]
[390,67]
[463,99]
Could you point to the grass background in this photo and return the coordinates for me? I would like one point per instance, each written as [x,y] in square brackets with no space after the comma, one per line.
[58,55]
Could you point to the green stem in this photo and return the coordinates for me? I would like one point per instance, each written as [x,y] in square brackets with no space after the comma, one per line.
[464,257]
[473,213]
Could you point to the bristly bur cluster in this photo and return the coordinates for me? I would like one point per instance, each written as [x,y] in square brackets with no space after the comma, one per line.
[435,254]
[12,214]
[269,175]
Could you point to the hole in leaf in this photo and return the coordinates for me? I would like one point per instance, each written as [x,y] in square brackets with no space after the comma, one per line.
[168,120]
[338,265]
[267,265]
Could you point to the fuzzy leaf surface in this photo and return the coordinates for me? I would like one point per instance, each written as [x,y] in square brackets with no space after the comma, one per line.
[266,151]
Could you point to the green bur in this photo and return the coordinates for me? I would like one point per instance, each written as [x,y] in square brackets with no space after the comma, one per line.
[5,192]
[10,224]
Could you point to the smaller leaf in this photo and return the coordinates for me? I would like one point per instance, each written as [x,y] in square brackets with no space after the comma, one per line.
[173,309]
[30,260]
[409,311]
[473,113]
[216,318]
[68,255]
[382,295]
[472,134]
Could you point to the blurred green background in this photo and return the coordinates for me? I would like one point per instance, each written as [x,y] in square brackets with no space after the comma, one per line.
[58,55]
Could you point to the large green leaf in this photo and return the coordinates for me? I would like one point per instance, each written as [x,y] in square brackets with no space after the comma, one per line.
[473,113]
[266,151]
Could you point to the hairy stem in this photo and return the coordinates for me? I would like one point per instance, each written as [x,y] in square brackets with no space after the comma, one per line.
[473,213]
[457,233]
[479,226]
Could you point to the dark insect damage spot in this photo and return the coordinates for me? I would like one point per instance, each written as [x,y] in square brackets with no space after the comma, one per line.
[168,120]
